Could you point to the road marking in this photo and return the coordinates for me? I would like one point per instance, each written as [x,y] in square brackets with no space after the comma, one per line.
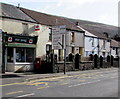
[26,95]
[85,83]
[43,87]
[37,83]
[64,84]
[12,84]
[13,92]
[61,77]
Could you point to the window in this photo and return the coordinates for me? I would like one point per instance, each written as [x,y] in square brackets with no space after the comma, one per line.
[60,52]
[92,52]
[104,44]
[72,37]
[29,55]
[24,55]
[87,53]
[93,42]
[50,34]
[9,54]
[73,50]
[20,55]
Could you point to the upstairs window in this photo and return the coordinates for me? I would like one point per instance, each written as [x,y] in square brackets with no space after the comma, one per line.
[104,44]
[72,37]
[50,34]
[93,42]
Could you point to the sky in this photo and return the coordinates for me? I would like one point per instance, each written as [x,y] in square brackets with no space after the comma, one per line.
[102,11]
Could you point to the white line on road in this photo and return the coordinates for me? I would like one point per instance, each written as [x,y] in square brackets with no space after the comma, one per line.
[92,82]
[84,83]
[26,95]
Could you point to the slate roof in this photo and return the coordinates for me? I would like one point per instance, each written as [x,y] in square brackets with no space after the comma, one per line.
[114,43]
[10,11]
[50,20]
[97,28]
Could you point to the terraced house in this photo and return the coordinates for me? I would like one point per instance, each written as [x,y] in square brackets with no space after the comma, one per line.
[74,35]
[97,37]
[19,24]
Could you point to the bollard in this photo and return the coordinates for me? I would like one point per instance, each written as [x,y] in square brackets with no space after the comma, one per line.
[70,57]
[77,61]
[91,57]
[96,61]
[101,61]
[112,59]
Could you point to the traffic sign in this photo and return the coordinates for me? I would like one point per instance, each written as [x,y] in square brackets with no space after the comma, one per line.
[58,37]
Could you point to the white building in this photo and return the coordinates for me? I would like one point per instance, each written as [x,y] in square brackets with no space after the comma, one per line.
[114,47]
[95,43]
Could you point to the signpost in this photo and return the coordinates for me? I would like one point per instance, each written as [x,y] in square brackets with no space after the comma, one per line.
[59,40]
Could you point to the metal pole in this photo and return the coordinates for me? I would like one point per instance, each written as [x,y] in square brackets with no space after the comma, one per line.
[64,61]
[64,47]
[53,62]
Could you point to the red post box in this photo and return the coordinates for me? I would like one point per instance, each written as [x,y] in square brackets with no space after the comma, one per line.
[37,64]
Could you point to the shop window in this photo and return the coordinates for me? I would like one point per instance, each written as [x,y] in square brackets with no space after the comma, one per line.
[20,54]
[29,55]
[24,55]
[9,54]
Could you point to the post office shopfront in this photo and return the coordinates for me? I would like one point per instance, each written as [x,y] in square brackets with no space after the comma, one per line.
[20,52]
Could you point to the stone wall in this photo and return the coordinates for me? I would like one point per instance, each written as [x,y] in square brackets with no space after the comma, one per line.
[59,67]
[70,66]
[86,65]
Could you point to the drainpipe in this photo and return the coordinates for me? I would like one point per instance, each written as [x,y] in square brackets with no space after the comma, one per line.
[98,47]
[3,53]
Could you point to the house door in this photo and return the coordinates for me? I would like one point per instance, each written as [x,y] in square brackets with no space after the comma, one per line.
[81,51]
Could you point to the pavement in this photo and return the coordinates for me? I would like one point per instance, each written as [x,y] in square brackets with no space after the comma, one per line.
[28,76]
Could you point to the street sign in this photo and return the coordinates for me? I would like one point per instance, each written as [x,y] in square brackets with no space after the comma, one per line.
[58,37]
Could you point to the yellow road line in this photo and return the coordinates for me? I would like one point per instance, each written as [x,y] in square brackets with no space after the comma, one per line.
[55,78]
[36,83]
[12,84]
[13,92]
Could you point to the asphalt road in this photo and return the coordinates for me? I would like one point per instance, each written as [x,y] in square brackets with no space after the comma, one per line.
[87,84]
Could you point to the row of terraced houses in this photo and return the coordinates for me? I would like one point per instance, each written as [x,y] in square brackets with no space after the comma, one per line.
[26,34]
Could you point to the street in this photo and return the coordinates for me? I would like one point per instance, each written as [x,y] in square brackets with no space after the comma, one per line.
[91,83]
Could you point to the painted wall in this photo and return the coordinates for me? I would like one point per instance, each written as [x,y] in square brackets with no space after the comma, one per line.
[115,51]
[16,26]
[43,38]
[104,51]
[79,42]
[91,46]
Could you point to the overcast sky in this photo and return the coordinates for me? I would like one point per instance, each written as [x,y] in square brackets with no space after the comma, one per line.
[103,11]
